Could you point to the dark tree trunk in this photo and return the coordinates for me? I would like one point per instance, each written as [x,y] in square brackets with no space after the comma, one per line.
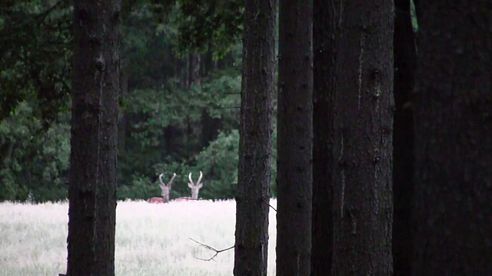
[255,150]
[210,128]
[6,151]
[405,60]
[194,69]
[363,127]
[295,134]
[95,89]
[324,37]
[453,142]
[171,140]
[182,70]
[208,62]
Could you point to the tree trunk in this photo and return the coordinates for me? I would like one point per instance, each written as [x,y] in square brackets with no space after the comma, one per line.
[182,70]
[295,134]
[210,128]
[95,86]
[453,142]
[194,69]
[405,60]
[363,139]
[324,38]
[255,151]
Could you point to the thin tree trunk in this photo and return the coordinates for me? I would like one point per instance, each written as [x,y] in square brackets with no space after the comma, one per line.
[324,38]
[6,151]
[405,61]
[210,128]
[295,134]
[453,142]
[194,69]
[363,139]
[255,151]
[95,89]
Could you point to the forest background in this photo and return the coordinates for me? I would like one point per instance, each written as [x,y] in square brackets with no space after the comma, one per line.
[179,104]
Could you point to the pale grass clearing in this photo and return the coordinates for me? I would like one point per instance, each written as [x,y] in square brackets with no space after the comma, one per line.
[151,239]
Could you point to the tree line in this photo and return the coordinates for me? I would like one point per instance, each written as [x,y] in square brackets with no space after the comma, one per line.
[195,120]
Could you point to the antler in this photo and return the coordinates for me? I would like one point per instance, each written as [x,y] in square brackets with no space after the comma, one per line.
[199,178]
[170,181]
[191,180]
[160,179]
[195,186]
[172,178]
[198,182]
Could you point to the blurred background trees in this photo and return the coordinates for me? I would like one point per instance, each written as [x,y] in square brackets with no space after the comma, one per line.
[179,103]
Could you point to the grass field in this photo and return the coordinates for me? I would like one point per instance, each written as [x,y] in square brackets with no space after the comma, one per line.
[151,239]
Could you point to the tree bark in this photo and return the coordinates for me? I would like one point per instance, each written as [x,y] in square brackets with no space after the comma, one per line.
[453,139]
[95,86]
[295,134]
[403,148]
[255,151]
[324,38]
[123,118]
[363,139]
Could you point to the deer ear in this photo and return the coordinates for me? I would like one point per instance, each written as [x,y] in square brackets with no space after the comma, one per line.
[200,185]
[189,185]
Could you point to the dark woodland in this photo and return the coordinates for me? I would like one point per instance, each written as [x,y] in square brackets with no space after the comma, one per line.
[363,127]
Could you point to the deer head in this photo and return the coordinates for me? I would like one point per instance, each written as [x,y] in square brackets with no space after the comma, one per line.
[166,188]
[195,186]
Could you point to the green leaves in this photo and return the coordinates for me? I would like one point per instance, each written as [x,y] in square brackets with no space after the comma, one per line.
[34,55]
[209,25]
[34,158]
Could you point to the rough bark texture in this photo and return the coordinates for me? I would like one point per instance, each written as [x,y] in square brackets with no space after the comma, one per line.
[363,139]
[405,61]
[324,37]
[295,134]
[454,139]
[95,89]
[251,246]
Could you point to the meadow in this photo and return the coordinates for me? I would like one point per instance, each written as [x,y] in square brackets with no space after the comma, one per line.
[151,239]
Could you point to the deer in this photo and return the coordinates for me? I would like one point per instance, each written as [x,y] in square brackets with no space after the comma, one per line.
[165,190]
[194,187]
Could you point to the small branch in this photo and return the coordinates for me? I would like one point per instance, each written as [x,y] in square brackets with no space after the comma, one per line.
[272,207]
[217,251]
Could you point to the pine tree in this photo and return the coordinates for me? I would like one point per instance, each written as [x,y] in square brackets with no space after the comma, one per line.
[294,140]
[363,125]
[453,139]
[255,150]
[403,148]
[95,86]
[324,39]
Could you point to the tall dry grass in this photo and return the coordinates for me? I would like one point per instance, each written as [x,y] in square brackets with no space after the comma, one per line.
[151,239]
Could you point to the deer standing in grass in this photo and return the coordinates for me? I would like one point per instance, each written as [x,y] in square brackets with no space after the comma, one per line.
[165,190]
[194,187]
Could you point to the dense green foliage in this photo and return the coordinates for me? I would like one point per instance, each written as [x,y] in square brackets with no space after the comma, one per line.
[34,159]
[170,121]
[35,56]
